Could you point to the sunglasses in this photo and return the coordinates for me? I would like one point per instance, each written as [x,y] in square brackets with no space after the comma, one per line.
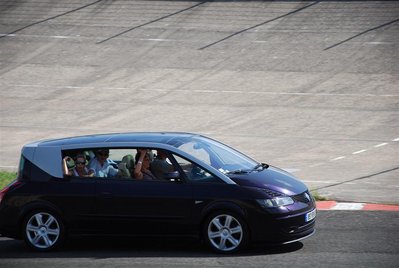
[80,163]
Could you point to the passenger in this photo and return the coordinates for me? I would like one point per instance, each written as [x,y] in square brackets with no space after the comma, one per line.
[102,165]
[80,169]
[68,165]
[126,166]
[160,166]
[141,170]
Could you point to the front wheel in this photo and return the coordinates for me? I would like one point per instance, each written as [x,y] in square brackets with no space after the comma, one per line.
[225,232]
[43,230]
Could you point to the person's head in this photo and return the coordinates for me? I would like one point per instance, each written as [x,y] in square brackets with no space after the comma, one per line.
[80,161]
[161,154]
[146,160]
[129,161]
[102,155]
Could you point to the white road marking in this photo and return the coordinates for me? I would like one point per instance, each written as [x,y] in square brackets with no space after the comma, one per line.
[397,139]
[348,206]
[39,36]
[8,166]
[317,164]
[372,182]
[338,158]
[291,170]
[159,40]
[313,94]
[381,144]
[359,152]
[378,43]
[327,182]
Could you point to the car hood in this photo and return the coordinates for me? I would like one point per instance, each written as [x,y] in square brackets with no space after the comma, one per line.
[271,178]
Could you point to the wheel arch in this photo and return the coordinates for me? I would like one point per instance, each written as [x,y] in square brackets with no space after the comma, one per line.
[37,206]
[223,206]
[226,207]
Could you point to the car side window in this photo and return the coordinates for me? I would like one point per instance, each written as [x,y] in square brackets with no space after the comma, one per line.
[195,173]
[75,164]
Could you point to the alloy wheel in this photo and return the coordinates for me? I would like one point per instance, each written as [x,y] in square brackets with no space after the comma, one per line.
[42,230]
[225,233]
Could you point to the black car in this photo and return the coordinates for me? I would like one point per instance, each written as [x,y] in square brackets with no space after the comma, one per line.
[152,184]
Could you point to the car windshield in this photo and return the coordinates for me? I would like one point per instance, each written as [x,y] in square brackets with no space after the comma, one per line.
[218,155]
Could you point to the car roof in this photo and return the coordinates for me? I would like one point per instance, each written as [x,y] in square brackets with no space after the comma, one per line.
[149,137]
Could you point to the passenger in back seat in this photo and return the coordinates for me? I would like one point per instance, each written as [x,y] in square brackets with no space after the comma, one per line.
[102,165]
[79,169]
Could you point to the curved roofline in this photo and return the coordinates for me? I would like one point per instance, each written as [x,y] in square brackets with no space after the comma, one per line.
[110,137]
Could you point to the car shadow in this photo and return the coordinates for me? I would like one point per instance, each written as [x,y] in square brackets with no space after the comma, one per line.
[100,248]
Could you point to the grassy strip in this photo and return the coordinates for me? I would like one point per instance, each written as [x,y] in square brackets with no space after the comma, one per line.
[6,177]
[318,197]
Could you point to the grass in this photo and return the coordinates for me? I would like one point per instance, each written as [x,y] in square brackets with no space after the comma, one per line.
[6,177]
[318,197]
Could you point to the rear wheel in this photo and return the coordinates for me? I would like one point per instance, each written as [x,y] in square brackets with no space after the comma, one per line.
[43,230]
[225,232]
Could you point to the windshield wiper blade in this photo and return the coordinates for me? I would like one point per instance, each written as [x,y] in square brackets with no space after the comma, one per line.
[238,171]
[261,165]
[242,171]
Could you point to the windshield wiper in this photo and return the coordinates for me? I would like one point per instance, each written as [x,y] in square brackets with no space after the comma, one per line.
[239,171]
[242,171]
[261,165]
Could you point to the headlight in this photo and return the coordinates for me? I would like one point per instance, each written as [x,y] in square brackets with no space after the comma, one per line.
[276,202]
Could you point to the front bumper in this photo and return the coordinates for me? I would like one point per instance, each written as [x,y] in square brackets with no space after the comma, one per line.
[281,229]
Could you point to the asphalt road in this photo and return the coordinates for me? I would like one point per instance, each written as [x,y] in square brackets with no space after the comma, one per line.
[343,239]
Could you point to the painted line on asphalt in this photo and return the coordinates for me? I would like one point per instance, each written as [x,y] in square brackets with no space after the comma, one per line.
[291,170]
[311,94]
[338,158]
[381,144]
[327,182]
[397,139]
[359,152]
[317,164]
[334,205]
[8,167]
[348,206]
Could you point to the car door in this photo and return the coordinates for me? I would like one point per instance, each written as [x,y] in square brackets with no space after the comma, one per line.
[140,207]
[75,198]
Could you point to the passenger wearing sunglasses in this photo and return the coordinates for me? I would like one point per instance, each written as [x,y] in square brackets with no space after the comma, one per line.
[102,165]
[80,169]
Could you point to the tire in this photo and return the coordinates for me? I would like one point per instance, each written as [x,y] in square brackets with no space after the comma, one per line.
[43,230]
[225,232]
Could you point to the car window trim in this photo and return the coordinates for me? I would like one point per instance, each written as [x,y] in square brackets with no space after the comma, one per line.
[149,145]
